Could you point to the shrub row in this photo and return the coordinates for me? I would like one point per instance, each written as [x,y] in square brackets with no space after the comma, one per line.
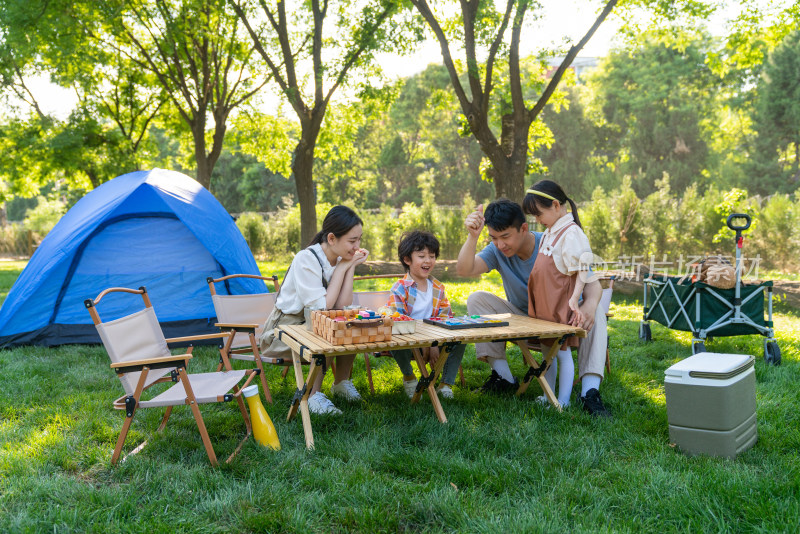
[664,226]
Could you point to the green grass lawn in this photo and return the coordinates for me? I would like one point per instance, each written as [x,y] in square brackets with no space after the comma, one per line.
[500,464]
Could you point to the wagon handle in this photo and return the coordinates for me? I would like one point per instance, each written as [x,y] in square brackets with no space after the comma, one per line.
[738,229]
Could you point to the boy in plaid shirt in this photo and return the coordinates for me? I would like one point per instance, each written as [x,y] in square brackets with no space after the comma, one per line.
[420,296]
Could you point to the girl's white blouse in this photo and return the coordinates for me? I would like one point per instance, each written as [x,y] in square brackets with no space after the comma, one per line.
[572,252]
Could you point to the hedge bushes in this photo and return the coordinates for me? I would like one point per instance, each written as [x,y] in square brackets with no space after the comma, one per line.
[383,229]
[685,224]
[665,225]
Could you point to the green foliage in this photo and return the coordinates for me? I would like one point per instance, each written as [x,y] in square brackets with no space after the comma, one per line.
[658,210]
[777,120]
[15,240]
[629,220]
[44,216]
[600,225]
[695,222]
[241,183]
[268,138]
[776,238]
[670,225]
[734,201]
[574,138]
[667,225]
[655,97]
[254,231]
[388,227]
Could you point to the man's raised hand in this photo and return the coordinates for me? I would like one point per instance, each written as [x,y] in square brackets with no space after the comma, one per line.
[474,221]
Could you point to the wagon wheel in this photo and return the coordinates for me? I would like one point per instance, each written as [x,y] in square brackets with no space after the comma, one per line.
[772,353]
[644,332]
[698,347]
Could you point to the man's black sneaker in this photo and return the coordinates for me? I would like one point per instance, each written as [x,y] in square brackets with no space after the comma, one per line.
[593,404]
[498,384]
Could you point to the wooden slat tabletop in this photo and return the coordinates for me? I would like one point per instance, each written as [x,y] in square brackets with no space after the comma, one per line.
[519,327]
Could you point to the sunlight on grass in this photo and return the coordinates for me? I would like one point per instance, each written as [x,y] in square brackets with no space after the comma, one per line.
[36,443]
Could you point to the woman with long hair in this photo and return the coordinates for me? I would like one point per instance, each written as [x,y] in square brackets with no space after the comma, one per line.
[320,276]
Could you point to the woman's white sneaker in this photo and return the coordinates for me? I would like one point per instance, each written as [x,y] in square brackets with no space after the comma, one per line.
[446,392]
[410,387]
[346,389]
[319,404]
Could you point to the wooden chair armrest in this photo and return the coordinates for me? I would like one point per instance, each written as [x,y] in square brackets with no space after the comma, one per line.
[237,325]
[149,361]
[198,337]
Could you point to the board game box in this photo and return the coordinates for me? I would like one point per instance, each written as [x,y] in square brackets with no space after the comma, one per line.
[465,321]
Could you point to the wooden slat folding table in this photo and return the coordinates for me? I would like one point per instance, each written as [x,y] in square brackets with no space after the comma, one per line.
[309,348]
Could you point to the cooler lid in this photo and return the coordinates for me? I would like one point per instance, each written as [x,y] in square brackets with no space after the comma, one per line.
[711,365]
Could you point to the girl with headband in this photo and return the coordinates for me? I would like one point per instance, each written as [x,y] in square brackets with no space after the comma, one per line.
[559,273]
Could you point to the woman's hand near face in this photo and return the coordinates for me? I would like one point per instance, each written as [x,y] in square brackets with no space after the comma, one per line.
[360,256]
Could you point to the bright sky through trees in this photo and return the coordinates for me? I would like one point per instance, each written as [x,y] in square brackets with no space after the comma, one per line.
[549,32]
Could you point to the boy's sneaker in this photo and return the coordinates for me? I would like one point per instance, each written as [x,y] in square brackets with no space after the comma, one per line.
[497,384]
[593,404]
[446,392]
[410,387]
[346,389]
[319,404]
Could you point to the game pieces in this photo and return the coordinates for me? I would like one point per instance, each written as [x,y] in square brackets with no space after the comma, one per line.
[465,321]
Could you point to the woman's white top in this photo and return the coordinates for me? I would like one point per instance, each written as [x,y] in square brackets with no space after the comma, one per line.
[423,303]
[572,252]
[303,284]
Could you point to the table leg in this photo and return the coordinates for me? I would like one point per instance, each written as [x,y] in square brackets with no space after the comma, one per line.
[436,369]
[302,385]
[546,362]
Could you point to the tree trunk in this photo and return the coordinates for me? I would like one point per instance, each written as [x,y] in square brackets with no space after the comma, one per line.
[94,179]
[198,127]
[509,179]
[510,162]
[203,168]
[302,167]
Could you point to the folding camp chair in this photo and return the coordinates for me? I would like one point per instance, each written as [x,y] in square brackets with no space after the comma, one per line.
[374,300]
[141,359]
[243,317]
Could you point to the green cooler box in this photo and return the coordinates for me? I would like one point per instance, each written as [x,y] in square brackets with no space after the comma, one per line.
[711,404]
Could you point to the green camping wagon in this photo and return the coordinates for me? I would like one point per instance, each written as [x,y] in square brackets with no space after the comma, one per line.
[707,311]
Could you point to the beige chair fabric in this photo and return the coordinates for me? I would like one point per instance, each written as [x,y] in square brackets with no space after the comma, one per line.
[134,337]
[371,299]
[138,337]
[244,309]
[207,387]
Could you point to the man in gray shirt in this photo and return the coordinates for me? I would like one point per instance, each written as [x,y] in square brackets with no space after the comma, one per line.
[512,253]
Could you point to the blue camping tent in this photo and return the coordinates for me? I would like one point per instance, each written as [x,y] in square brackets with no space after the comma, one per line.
[159,229]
